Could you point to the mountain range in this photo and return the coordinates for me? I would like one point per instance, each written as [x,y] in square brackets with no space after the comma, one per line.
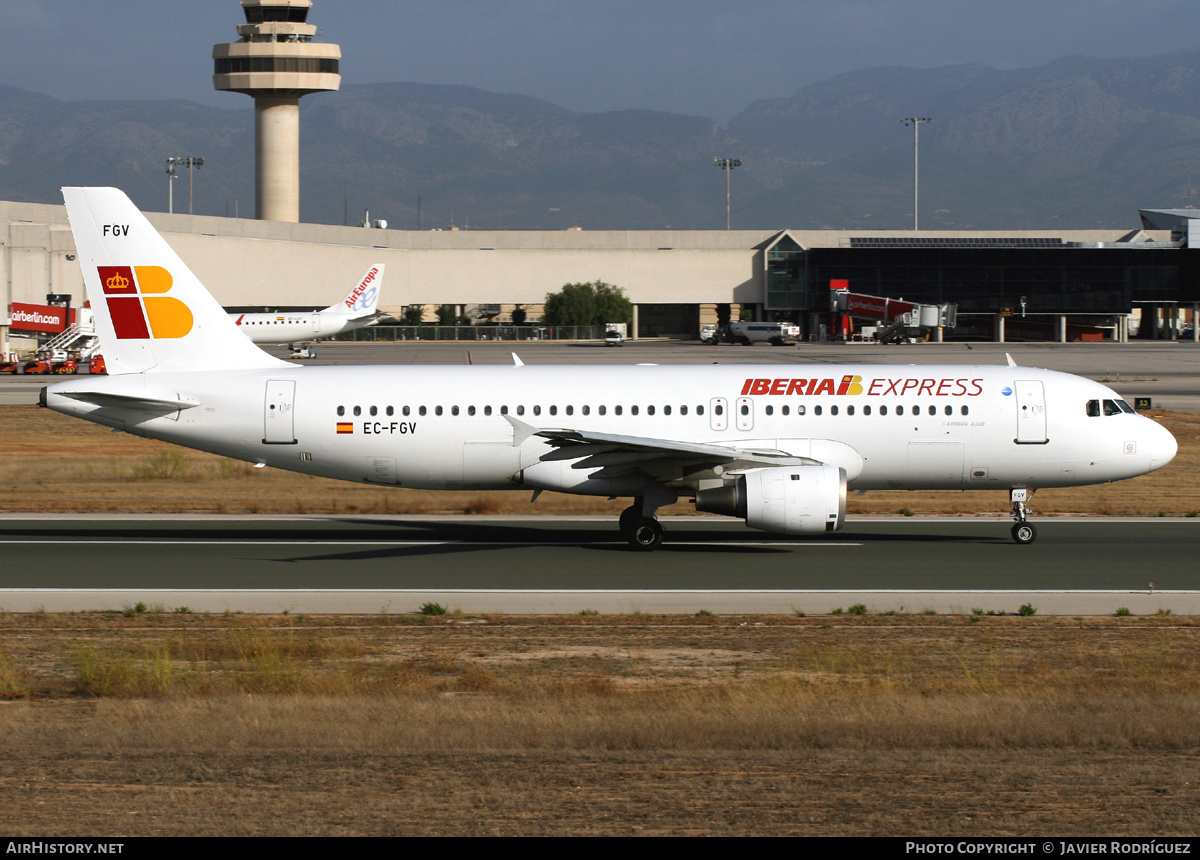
[1073,144]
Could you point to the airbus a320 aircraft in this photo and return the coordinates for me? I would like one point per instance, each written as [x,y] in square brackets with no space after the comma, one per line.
[764,443]
[355,311]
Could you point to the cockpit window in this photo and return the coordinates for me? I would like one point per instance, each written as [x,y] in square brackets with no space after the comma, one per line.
[1111,408]
[1093,409]
[1125,407]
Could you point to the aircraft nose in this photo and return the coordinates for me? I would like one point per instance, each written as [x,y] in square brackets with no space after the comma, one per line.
[1161,446]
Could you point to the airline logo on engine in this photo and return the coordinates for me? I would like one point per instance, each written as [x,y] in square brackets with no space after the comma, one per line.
[363,295]
[850,384]
[136,303]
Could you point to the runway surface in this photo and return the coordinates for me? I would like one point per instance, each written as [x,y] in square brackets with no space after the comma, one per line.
[558,565]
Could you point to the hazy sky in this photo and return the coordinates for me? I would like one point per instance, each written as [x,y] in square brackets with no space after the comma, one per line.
[685,56]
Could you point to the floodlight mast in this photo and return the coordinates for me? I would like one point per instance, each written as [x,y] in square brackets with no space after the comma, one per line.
[727,164]
[915,122]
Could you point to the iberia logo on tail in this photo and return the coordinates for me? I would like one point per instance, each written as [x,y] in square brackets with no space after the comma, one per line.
[137,305]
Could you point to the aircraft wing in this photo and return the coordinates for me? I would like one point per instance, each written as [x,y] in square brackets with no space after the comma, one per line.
[618,454]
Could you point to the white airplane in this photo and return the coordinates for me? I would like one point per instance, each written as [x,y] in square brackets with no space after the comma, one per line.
[355,311]
[763,443]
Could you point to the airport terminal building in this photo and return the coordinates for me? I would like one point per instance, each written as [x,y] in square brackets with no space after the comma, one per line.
[1007,284]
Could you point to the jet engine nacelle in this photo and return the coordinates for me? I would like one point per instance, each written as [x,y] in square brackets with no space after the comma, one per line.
[794,500]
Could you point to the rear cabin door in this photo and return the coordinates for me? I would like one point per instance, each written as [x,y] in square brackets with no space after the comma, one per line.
[278,417]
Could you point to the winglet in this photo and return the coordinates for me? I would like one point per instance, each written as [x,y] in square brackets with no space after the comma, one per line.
[517,361]
[1011,363]
[521,430]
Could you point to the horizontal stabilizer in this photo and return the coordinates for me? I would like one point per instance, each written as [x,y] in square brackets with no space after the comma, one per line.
[130,401]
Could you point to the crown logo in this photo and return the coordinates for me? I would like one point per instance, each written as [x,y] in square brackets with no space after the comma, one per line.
[117,282]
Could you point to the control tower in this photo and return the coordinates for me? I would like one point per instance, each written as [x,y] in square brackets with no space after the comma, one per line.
[276,61]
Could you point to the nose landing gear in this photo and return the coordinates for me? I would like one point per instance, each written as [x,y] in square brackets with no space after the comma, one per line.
[1022,532]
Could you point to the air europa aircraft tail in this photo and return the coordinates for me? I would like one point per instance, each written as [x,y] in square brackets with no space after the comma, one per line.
[152,313]
[362,300]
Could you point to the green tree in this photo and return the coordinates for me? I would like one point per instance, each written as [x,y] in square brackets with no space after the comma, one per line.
[413,314]
[519,315]
[595,304]
[446,315]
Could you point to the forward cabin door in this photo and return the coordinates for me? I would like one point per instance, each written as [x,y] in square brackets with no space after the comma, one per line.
[316,323]
[279,426]
[1031,412]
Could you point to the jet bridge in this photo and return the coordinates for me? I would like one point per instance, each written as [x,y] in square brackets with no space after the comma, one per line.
[899,321]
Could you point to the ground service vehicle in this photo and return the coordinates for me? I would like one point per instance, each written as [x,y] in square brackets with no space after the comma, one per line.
[749,333]
[52,361]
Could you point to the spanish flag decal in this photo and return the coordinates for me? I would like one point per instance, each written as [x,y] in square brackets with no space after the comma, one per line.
[345,427]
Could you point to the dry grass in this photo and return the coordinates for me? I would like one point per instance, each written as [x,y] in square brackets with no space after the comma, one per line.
[50,463]
[161,723]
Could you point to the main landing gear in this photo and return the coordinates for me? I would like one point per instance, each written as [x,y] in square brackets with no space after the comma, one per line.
[1022,532]
[643,533]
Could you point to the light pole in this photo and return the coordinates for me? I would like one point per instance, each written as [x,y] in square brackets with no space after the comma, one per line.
[192,164]
[727,164]
[915,122]
[171,174]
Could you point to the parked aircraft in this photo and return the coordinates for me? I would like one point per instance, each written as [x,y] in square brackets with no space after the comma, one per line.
[778,446]
[356,310]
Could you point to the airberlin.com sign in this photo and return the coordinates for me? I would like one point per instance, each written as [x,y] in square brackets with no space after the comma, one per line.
[46,318]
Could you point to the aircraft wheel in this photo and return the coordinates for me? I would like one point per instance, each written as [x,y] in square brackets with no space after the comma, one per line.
[647,535]
[628,519]
[1024,533]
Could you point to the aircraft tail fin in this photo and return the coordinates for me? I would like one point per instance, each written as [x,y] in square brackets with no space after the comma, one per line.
[152,313]
[362,300]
